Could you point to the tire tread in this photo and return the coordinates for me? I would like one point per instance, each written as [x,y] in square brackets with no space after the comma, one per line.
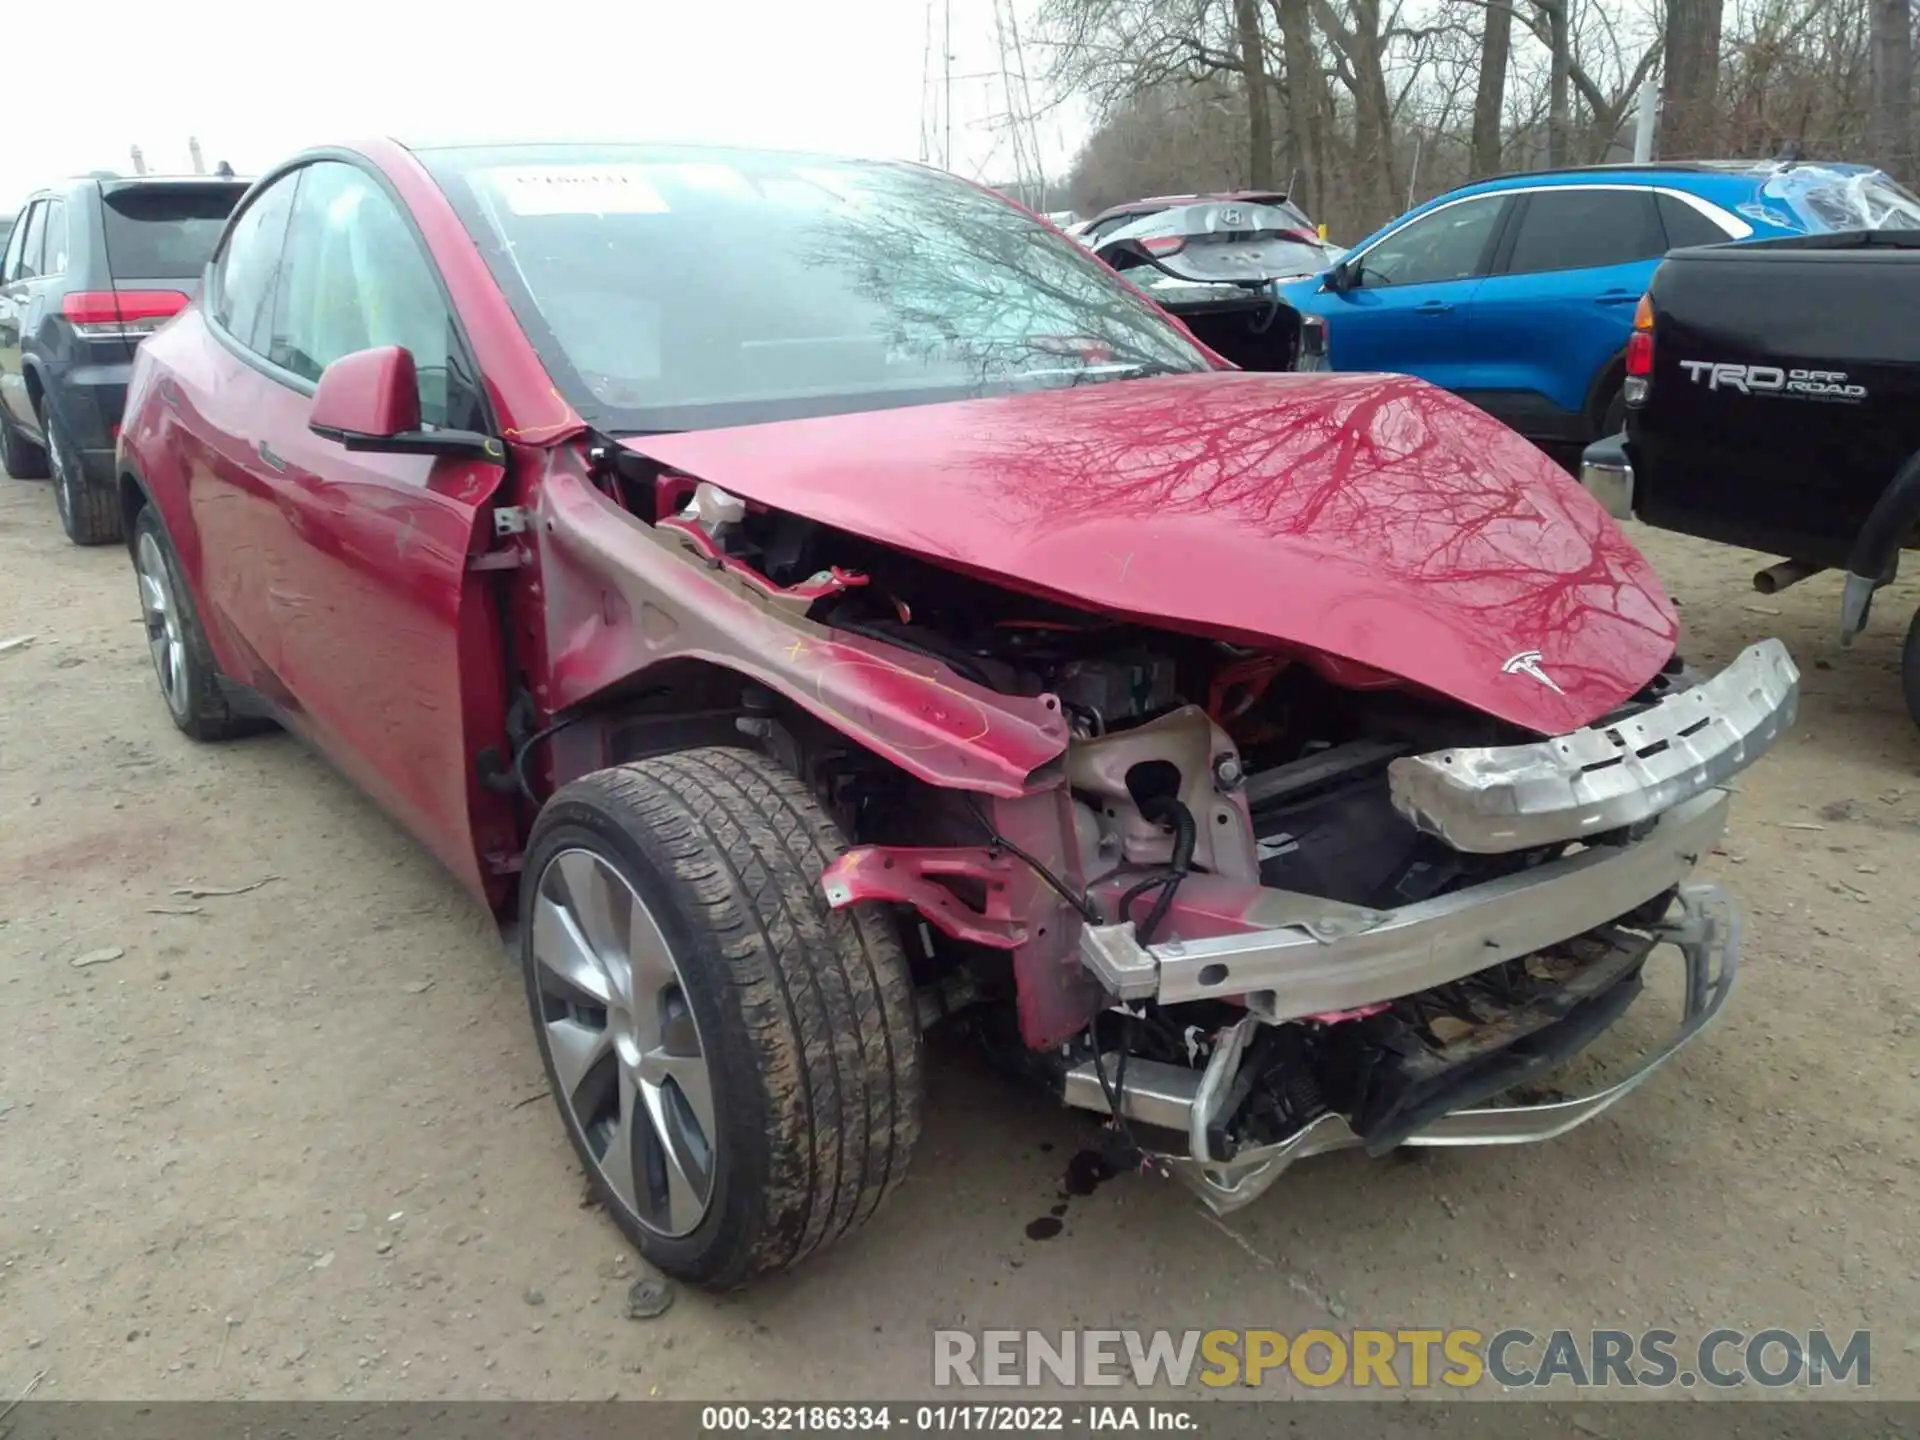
[822,996]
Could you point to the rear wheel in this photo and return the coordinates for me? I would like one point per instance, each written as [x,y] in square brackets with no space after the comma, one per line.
[737,1066]
[1910,668]
[1614,418]
[90,516]
[182,660]
[21,458]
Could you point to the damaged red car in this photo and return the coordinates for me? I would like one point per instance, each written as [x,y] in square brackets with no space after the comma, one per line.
[811,601]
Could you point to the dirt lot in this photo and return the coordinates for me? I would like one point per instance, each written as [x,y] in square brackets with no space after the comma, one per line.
[295,1143]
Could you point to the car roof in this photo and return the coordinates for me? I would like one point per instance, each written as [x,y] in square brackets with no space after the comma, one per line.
[1167,202]
[1650,172]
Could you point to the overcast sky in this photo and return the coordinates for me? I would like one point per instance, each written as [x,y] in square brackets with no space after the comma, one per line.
[256,82]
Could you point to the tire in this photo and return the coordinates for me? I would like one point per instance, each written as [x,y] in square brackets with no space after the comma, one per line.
[1614,418]
[89,515]
[697,876]
[19,456]
[1910,668]
[182,660]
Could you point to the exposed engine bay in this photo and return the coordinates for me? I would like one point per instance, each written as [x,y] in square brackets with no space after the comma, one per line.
[1239,798]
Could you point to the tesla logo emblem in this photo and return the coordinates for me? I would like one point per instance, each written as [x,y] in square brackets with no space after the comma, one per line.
[1527,662]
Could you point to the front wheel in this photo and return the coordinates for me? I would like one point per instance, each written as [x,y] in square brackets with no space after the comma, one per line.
[19,456]
[1614,418]
[737,1066]
[1910,668]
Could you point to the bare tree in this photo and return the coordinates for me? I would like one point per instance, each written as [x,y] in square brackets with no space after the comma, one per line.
[1306,93]
[1253,72]
[1892,29]
[1489,100]
[1689,115]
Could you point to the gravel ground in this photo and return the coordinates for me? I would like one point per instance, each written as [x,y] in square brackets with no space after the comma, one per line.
[295,1144]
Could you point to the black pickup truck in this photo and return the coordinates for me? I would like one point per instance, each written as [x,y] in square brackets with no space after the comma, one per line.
[1773,402]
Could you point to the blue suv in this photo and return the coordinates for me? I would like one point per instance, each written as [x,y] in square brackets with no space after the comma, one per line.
[1518,293]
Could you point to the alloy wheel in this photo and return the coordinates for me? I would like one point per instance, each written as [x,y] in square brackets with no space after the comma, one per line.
[62,478]
[627,1056]
[160,610]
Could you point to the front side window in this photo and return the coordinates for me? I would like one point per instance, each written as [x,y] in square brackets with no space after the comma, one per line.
[354,277]
[669,291]
[1585,229]
[30,254]
[1445,245]
[16,243]
[243,280]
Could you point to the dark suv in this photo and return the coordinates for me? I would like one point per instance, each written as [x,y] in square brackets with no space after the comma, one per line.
[91,268]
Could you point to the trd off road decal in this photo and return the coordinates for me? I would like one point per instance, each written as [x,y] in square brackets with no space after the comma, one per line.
[1773,380]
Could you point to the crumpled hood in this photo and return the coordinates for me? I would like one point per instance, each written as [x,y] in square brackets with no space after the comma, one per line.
[1371,517]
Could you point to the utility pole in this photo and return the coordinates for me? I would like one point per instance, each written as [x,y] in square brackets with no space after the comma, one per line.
[1645,120]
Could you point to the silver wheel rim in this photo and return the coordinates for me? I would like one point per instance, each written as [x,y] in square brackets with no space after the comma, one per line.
[62,498]
[628,1063]
[162,616]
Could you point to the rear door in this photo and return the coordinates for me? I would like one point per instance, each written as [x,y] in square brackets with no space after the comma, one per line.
[1558,309]
[18,272]
[1407,309]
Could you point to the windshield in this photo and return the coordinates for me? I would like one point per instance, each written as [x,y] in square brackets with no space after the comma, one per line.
[668,290]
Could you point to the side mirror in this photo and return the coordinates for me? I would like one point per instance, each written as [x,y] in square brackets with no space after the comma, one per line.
[1341,278]
[370,401]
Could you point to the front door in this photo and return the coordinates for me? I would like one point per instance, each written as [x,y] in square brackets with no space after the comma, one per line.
[359,578]
[1407,310]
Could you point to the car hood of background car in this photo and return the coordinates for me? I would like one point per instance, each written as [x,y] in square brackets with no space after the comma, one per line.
[1370,517]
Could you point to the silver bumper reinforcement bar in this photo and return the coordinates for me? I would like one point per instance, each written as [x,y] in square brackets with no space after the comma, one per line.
[1344,957]
[1704,928]
[1492,799]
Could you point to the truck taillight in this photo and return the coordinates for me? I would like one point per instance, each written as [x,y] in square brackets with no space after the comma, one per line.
[1640,354]
[108,314]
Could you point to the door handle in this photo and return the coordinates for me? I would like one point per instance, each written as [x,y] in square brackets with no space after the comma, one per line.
[1432,307]
[270,460]
[1617,297]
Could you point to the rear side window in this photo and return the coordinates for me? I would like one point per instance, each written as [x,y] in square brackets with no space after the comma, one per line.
[1584,229]
[54,255]
[165,232]
[1685,225]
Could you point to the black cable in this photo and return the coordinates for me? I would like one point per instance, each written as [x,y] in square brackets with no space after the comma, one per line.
[1080,903]
[1185,836]
[1114,1093]
[520,755]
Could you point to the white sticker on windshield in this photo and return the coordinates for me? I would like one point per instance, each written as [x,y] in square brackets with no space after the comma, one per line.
[577,190]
